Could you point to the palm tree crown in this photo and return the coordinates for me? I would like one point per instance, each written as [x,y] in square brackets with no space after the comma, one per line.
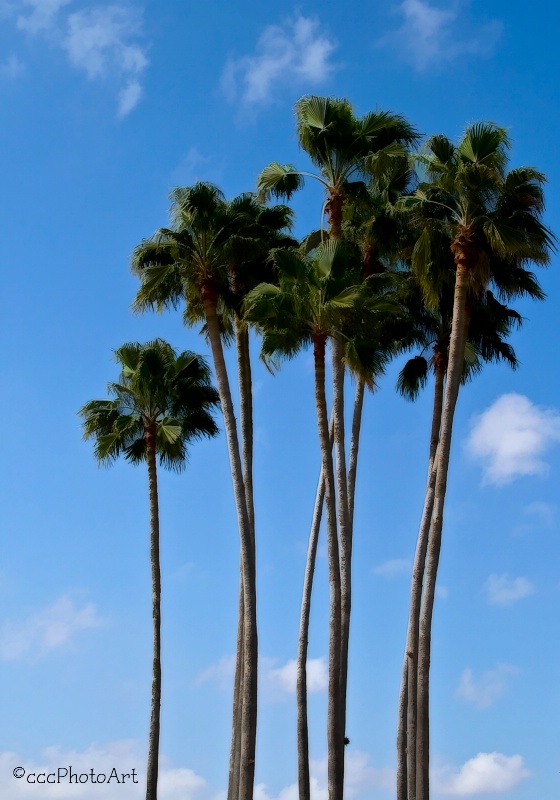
[160,392]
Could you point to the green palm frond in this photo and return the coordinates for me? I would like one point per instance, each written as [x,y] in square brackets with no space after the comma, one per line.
[157,390]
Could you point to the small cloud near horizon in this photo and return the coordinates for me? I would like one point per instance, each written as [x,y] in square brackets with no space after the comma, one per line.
[46,630]
[489,687]
[486,773]
[501,590]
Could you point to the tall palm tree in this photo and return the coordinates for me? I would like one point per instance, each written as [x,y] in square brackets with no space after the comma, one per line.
[310,305]
[345,149]
[162,402]
[493,220]
[490,325]
[206,258]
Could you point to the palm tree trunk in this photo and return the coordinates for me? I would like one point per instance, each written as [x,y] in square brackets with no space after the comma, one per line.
[345,539]
[153,741]
[354,446]
[406,735]
[303,640]
[454,373]
[250,640]
[334,730]
[246,407]
[237,716]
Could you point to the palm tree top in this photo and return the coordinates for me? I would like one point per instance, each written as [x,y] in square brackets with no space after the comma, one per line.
[342,146]
[158,392]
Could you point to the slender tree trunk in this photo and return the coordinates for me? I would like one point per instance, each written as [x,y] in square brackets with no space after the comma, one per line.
[334,733]
[250,641]
[406,735]
[345,540]
[237,716]
[303,641]
[354,447]
[461,248]
[246,407]
[153,744]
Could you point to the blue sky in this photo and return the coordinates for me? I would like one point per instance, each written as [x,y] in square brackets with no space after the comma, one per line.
[106,107]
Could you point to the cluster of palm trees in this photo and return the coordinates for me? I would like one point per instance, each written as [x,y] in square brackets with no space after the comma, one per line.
[423,248]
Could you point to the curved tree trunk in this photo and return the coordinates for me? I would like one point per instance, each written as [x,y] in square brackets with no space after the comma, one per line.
[250,641]
[406,734]
[246,408]
[354,447]
[453,382]
[303,640]
[345,540]
[334,731]
[153,742]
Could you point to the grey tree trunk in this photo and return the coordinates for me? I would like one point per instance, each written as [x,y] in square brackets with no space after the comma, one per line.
[345,540]
[246,408]
[453,382]
[303,640]
[153,741]
[406,734]
[250,640]
[334,732]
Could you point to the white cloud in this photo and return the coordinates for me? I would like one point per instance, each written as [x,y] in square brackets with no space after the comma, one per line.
[98,40]
[486,773]
[296,53]
[432,35]
[484,691]
[101,40]
[511,437]
[284,678]
[42,14]
[359,776]
[123,756]
[395,566]
[222,673]
[11,68]
[47,629]
[504,591]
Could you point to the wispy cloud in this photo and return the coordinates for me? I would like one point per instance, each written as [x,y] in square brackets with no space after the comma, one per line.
[545,512]
[11,68]
[47,629]
[39,15]
[221,673]
[501,590]
[432,35]
[98,40]
[284,678]
[359,776]
[296,53]
[489,687]
[393,567]
[101,40]
[174,783]
[486,773]
[511,438]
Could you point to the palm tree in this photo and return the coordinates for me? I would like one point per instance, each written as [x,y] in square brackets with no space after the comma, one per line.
[493,220]
[345,149]
[311,305]
[490,325]
[206,260]
[162,402]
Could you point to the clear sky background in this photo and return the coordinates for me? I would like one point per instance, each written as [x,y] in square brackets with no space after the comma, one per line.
[104,108]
